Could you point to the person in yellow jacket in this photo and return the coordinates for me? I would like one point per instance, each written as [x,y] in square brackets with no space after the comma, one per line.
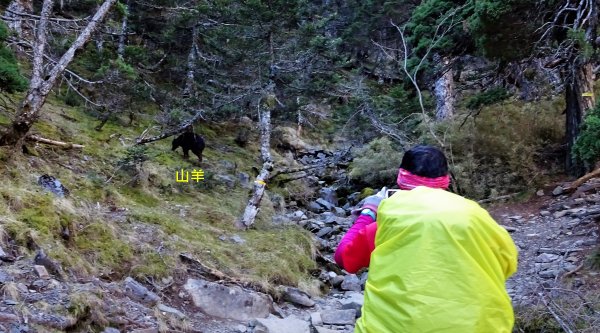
[438,262]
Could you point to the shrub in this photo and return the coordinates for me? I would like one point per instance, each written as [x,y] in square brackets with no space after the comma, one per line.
[489,97]
[508,148]
[376,164]
[11,79]
[587,146]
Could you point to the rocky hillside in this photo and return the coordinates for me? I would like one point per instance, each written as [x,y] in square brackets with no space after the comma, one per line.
[137,263]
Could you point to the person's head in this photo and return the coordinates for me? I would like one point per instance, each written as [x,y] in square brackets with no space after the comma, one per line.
[423,166]
[425,161]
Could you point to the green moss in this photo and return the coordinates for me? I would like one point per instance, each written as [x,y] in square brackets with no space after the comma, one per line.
[367,191]
[153,264]
[100,244]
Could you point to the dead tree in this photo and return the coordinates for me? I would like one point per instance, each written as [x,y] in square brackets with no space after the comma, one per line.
[188,90]
[13,15]
[260,184]
[123,35]
[41,85]
[444,90]
[576,67]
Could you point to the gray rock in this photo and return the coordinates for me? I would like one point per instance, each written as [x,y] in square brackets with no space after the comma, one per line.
[51,184]
[314,207]
[325,204]
[299,215]
[324,232]
[171,310]
[337,281]
[339,211]
[328,217]
[138,292]
[226,165]
[547,257]
[545,213]
[226,179]
[276,325]
[237,239]
[560,214]
[351,282]
[558,190]
[549,274]
[363,278]
[41,271]
[298,297]
[111,330]
[326,330]
[244,179]
[353,300]
[353,198]
[540,193]
[4,277]
[339,317]
[328,194]
[228,302]
[315,319]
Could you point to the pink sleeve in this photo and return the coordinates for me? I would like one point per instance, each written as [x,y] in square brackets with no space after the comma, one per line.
[361,222]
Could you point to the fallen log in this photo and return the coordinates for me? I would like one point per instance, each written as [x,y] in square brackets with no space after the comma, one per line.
[575,185]
[65,145]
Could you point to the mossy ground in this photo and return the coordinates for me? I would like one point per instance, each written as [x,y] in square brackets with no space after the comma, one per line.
[127,215]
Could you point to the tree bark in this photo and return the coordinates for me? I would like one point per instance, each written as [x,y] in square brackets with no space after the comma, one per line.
[579,95]
[39,89]
[188,91]
[260,184]
[16,21]
[123,36]
[444,93]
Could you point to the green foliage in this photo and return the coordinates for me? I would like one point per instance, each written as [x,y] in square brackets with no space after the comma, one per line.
[587,146]
[504,29]
[507,148]
[488,97]
[376,164]
[11,79]
[431,14]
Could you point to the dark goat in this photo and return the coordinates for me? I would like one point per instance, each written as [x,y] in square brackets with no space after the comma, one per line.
[189,141]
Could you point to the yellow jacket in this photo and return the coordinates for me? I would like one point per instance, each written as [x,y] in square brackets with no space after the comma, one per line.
[440,264]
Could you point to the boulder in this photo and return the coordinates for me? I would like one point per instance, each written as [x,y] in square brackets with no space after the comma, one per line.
[285,325]
[137,292]
[297,296]
[226,179]
[314,207]
[228,302]
[351,282]
[328,194]
[325,204]
[338,317]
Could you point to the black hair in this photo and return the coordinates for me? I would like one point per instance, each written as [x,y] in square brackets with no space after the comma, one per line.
[425,161]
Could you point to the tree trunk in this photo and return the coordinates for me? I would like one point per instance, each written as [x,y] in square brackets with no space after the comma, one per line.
[39,89]
[188,91]
[123,36]
[579,95]
[15,21]
[444,93]
[260,184]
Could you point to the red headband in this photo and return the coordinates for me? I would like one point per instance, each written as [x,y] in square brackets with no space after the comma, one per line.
[408,181]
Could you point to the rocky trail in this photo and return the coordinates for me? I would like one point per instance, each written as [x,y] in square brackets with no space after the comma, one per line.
[555,233]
